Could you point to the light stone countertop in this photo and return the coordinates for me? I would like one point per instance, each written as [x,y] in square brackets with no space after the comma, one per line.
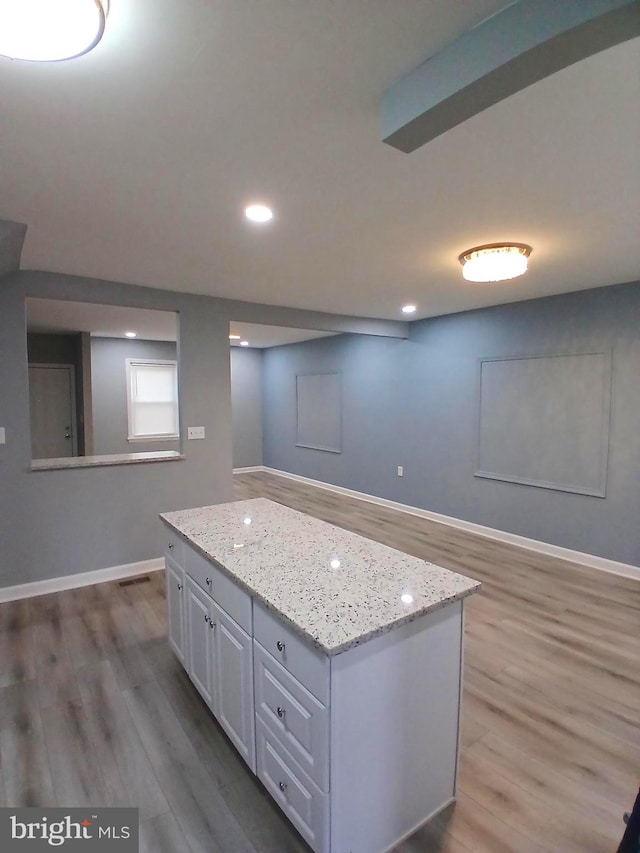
[333,587]
[106,459]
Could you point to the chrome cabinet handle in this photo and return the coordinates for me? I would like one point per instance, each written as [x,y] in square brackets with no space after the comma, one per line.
[180,587]
[206,618]
[282,786]
[170,545]
[280,646]
[212,624]
[281,712]
[208,581]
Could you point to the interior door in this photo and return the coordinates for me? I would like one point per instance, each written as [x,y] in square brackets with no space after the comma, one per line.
[52,402]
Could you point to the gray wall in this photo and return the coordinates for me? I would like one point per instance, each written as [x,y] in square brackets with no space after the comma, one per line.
[52,349]
[415,403]
[246,406]
[109,390]
[55,523]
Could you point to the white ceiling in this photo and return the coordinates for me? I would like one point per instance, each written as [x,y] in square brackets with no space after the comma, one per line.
[101,321]
[134,162]
[261,336]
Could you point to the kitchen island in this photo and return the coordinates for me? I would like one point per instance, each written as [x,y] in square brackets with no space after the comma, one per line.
[333,663]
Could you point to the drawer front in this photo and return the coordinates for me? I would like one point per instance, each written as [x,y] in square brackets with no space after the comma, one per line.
[174,547]
[294,714]
[303,803]
[304,662]
[222,589]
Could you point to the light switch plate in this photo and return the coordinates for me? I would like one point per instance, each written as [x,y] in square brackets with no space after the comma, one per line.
[195,432]
[3,437]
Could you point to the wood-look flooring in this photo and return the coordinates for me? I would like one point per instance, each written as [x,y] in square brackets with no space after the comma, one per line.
[95,710]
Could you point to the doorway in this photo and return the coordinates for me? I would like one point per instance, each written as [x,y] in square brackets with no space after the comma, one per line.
[52,401]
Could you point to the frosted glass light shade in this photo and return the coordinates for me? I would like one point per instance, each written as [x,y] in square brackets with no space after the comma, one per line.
[495,262]
[49,30]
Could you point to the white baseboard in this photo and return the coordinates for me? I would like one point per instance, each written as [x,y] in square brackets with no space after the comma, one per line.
[249,469]
[589,560]
[113,573]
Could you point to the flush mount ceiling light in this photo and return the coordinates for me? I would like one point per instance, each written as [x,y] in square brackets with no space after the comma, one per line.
[258,213]
[408,309]
[50,30]
[495,261]
[244,343]
[131,334]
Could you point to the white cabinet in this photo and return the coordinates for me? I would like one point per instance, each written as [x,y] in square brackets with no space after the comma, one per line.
[293,714]
[233,663]
[214,649]
[175,609]
[201,641]
[358,749]
[304,803]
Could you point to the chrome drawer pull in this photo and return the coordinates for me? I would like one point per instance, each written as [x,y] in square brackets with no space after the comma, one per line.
[208,581]
[212,624]
[170,545]
[180,587]
[206,618]
[281,712]
[282,786]
[280,646]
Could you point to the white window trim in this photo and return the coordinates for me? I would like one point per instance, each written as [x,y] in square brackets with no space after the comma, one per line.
[152,436]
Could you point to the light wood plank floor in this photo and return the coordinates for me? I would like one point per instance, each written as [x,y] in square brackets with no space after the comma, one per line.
[95,710]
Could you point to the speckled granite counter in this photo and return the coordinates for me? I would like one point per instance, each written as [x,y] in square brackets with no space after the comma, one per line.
[333,587]
[107,459]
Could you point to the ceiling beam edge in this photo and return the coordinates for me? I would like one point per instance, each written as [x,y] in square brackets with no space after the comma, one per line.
[526,42]
[12,236]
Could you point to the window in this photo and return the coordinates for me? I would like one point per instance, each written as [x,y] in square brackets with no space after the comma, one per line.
[152,399]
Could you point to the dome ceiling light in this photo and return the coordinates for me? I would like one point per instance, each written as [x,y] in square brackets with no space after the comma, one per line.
[495,261]
[50,30]
[258,213]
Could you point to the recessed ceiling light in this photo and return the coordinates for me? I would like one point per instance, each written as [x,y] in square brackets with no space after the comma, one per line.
[495,261]
[234,337]
[406,598]
[258,213]
[131,334]
[50,30]
[244,343]
[408,309]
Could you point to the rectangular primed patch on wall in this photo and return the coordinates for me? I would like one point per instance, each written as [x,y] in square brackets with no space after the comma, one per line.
[544,421]
[319,411]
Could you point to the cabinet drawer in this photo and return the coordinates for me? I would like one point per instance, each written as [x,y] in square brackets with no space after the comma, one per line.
[294,714]
[303,803]
[174,547]
[222,589]
[307,664]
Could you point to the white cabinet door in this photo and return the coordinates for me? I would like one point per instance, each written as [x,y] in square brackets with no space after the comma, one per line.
[200,642]
[175,608]
[234,680]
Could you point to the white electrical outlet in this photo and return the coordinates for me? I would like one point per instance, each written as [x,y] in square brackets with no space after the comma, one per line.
[400,471]
[195,432]
[3,437]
